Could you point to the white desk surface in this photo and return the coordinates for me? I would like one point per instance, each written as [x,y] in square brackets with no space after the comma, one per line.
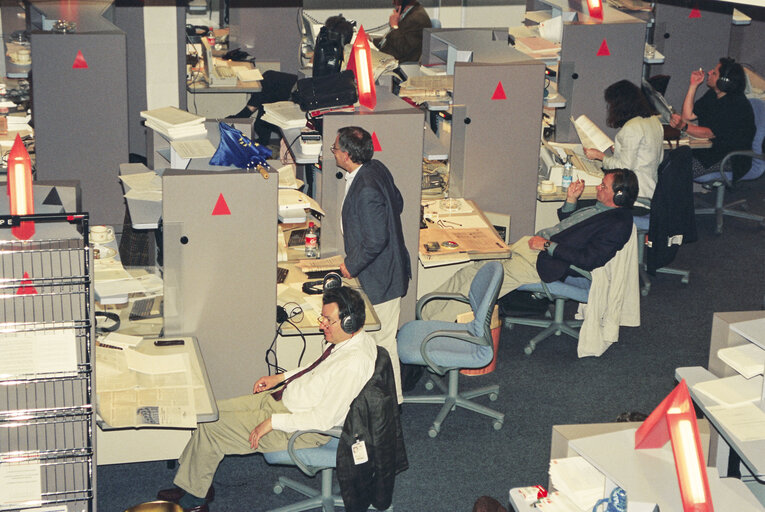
[649,475]
[752,453]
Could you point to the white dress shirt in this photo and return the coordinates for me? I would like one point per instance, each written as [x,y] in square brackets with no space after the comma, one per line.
[320,399]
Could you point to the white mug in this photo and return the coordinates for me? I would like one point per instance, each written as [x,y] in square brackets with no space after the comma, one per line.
[547,186]
[23,56]
[101,233]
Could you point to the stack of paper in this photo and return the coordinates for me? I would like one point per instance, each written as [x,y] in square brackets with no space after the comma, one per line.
[578,480]
[732,390]
[557,502]
[748,359]
[284,114]
[173,122]
[536,46]
[746,422]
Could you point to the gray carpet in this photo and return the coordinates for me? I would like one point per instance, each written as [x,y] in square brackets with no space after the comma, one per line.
[468,458]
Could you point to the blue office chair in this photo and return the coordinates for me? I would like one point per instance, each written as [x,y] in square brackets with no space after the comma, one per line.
[719,180]
[447,347]
[557,292]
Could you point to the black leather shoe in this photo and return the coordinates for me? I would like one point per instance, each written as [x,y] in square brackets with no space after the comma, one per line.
[175,494]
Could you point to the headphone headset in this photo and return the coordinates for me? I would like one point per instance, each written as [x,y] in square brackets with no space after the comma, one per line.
[620,194]
[348,321]
[723,81]
[331,280]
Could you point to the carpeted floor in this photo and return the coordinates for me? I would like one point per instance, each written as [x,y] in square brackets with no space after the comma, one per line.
[468,458]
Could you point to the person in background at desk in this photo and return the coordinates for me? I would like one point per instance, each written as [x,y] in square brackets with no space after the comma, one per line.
[314,397]
[586,238]
[722,114]
[638,143]
[372,235]
[404,41]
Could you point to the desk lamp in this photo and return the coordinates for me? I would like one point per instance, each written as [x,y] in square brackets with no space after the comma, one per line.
[675,420]
[20,188]
[361,64]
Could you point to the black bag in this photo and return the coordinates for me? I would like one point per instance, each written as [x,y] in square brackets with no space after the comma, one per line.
[334,90]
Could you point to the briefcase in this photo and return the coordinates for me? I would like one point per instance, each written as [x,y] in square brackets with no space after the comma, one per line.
[337,89]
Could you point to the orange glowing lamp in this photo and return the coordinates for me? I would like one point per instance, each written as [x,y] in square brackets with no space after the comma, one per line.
[361,64]
[596,8]
[675,420]
[20,188]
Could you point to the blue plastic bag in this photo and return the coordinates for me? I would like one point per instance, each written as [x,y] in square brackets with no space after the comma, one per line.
[237,150]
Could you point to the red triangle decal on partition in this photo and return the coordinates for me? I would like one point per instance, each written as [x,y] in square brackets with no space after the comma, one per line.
[376,142]
[695,13]
[221,207]
[603,51]
[79,61]
[499,92]
[26,287]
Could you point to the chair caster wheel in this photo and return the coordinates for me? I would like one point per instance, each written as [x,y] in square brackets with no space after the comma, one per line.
[493,397]
[685,280]
[278,489]
[528,350]
[497,425]
[432,432]
[644,291]
[429,385]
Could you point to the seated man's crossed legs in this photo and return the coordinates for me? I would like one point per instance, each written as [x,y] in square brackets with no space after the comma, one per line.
[520,269]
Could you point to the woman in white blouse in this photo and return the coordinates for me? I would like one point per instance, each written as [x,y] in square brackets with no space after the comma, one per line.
[638,143]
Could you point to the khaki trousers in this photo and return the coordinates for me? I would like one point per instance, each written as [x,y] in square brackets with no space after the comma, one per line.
[388,313]
[231,435]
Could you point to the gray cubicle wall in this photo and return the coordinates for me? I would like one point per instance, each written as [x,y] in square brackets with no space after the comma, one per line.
[689,43]
[267,29]
[80,116]
[399,129]
[220,271]
[499,137]
[583,75]
[747,42]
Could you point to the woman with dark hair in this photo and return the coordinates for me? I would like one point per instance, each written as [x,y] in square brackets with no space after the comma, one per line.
[638,143]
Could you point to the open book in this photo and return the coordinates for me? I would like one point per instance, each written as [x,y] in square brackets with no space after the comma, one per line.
[590,135]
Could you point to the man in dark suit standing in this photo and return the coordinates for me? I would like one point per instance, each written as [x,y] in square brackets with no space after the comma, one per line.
[585,238]
[372,234]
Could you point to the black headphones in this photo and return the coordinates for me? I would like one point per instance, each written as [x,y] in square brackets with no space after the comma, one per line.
[349,322]
[723,81]
[330,281]
[620,196]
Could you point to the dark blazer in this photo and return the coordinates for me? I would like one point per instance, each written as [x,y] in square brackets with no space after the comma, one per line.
[405,42]
[588,244]
[374,419]
[374,241]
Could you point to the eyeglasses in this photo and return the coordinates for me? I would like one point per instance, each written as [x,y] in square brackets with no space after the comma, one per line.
[333,148]
[324,320]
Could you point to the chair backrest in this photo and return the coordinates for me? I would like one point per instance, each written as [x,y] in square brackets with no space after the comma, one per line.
[483,295]
[758,165]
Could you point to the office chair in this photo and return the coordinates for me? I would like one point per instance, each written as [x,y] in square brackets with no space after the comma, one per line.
[447,347]
[719,180]
[380,391]
[671,221]
[557,292]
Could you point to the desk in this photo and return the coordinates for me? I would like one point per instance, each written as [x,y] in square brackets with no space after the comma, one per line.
[689,141]
[118,446]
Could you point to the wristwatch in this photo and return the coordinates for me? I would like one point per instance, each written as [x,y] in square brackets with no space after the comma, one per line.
[547,244]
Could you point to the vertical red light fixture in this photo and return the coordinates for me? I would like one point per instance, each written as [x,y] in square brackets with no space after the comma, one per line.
[596,8]
[675,420]
[20,188]
[361,63]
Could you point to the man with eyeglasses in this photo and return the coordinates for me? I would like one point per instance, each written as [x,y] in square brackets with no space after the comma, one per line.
[315,396]
[372,235]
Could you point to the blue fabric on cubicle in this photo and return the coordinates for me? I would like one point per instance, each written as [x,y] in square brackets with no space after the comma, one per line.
[236,150]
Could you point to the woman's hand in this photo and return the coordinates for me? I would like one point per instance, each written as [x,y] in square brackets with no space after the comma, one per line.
[594,154]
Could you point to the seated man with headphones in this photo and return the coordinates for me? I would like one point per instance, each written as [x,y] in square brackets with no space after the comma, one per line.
[316,396]
[722,114]
[585,238]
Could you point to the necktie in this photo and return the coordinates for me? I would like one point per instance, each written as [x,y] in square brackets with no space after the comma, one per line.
[278,393]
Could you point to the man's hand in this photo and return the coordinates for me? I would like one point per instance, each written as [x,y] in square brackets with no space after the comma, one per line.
[574,191]
[676,121]
[394,18]
[258,432]
[594,154]
[537,243]
[344,271]
[697,77]
[266,383]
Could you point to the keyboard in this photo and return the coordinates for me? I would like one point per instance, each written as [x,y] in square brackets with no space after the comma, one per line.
[591,167]
[224,72]
[281,274]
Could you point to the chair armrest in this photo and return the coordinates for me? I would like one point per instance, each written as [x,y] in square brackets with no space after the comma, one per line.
[578,270]
[751,154]
[436,295]
[309,470]
[459,335]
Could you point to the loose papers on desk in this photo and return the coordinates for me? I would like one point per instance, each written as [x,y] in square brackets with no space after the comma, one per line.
[748,359]
[745,421]
[173,122]
[578,480]
[145,186]
[284,114]
[293,204]
[731,391]
[145,395]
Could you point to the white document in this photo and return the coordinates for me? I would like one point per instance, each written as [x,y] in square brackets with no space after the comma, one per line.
[116,339]
[288,177]
[142,181]
[748,359]
[197,148]
[321,264]
[172,116]
[294,199]
[590,135]
[246,74]
[155,364]
[144,195]
[746,422]
[42,352]
[578,480]
[20,483]
[734,390]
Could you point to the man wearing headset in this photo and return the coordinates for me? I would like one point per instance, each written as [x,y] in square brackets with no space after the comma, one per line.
[585,238]
[311,397]
[722,114]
